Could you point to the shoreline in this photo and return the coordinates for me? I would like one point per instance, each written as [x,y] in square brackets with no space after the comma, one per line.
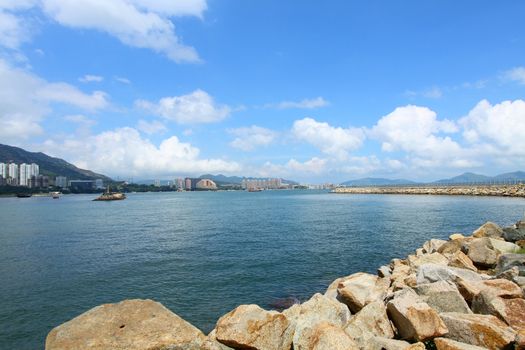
[485,190]
[466,293]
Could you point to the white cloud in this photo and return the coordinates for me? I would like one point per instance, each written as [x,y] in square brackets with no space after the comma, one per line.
[123,80]
[249,138]
[334,141]
[88,78]
[136,26]
[516,74]
[433,92]
[80,119]
[497,128]
[194,108]
[13,32]
[413,129]
[152,127]
[303,104]
[123,152]
[174,8]
[311,166]
[25,99]
[293,168]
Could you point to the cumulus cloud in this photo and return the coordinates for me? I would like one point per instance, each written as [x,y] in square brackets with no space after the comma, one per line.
[194,108]
[499,128]
[249,138]
[334,141]
[136,23]
[303,104]
[88,78]
[516,74]
[25,99]
[123,152]
[134,26]
[152,127]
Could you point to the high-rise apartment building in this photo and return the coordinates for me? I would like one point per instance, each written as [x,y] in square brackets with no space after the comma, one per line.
[3,170]
[61,181]
[12,174]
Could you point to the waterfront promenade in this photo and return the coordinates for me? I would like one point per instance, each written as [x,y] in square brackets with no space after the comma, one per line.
[515,190]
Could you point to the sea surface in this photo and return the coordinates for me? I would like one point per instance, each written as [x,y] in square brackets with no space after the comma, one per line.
[203,253]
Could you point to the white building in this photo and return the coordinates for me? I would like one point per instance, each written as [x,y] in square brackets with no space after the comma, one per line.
[3,170]
[61,181]
[25,174]
[12,173]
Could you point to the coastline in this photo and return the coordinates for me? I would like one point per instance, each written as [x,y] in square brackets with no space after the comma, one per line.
[464,293]
[483,190]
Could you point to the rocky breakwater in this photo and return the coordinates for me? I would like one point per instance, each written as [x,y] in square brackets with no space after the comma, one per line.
[488,190]
[466,293]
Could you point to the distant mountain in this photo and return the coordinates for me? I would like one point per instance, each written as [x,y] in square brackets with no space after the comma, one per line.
[236,180]
[465,178]
[373,181]
[517,175]
[48,165]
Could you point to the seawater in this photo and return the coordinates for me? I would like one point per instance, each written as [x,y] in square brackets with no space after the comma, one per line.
[203,253]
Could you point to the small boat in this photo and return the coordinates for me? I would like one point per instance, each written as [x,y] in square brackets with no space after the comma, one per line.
[55,194]
[24,195]
[110,196]
[254,190]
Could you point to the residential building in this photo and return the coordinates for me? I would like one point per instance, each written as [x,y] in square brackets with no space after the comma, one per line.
[156,183]
[180,183]
[82,185]
[61,181]
[205,184]
[25,174]
[12,174]
[39,181]
[99,184]
[266,184]
[3,170]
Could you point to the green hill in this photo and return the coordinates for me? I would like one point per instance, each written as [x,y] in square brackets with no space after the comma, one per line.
[48,165]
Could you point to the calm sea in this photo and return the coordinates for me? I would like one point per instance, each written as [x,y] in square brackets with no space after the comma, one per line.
[201,254]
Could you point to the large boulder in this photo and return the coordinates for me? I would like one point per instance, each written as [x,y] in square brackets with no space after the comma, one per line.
[432,246]
[413,318]
[452,246]
[250,327]
[130,324]
[433,258]
[378,343]
[319,309]
[511,311]
[361,289]
[482,252]
[460,260]
[429,273]
[449,344]
[211,343]
[482,330]
[488,229]
[325,336]
[371,321]
[512,234]
[443,297]
[498,287]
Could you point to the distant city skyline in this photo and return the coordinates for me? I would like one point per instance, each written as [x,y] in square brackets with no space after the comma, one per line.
[307,91]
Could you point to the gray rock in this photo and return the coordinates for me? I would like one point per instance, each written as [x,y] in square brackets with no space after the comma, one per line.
[507,261]
[512,234]
[429,273]
[511,311]
[433,245]
[443,297]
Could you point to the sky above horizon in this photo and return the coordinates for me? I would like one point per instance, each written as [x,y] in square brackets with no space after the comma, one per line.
[310,91]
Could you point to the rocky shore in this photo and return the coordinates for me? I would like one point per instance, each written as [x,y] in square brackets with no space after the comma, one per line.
[466,293]
[517,190]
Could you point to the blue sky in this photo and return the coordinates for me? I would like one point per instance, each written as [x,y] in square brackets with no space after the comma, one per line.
[313,91]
